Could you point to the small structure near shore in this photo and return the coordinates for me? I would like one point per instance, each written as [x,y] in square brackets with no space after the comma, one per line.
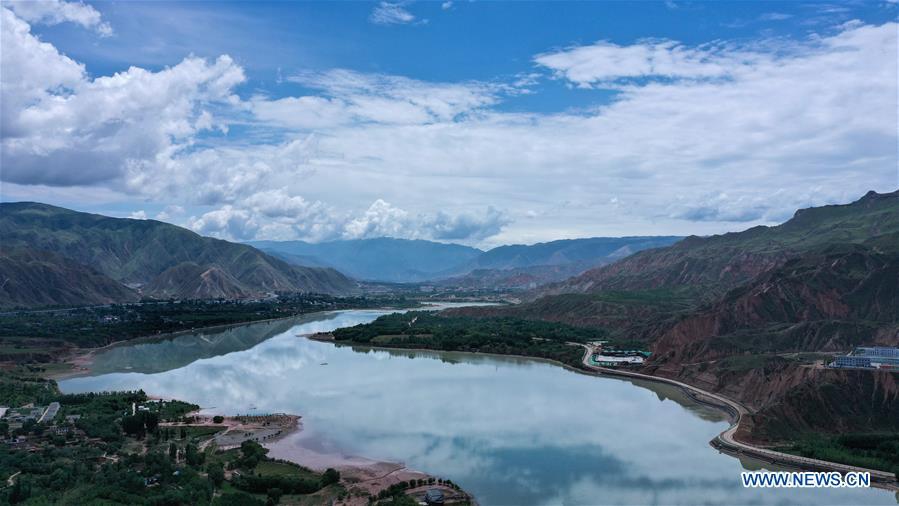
[869,358]
[434,496]
[608,356]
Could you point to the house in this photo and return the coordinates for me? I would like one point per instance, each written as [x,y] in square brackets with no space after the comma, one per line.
[434,496]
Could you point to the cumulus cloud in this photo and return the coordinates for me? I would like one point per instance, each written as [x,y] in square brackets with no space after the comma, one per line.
[54,12]
[138,215]
[277,215]
[59,127]
[226,222]
[696,140]
[388,13]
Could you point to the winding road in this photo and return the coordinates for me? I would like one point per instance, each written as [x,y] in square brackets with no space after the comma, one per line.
[726,441]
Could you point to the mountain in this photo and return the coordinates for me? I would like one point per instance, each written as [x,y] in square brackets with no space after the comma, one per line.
[521,267]
[410,261]
[381,259]
[160,259]
[39,278]
[752,315]
[581,252]
[711,265]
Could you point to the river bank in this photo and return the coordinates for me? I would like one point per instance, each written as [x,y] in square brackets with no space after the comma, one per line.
[79,360]
[411,407]
[726,440]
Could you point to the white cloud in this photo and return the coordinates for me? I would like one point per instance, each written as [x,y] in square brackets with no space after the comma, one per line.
[138,215]
[604,63]
[54,12]
[274,214]
[59,127]
[227,222]
[389,13]
[170,213]
[352,98]
[697,140]
[447,5]
[775,16]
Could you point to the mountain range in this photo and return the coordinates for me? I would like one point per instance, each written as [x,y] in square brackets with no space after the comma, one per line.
[414,261]
[710,265]
[379,259]
[50,255]
[747,314]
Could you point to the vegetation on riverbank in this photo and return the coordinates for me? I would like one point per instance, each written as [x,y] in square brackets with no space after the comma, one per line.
[505,336]
[40,332]
[123,448]
[870,450]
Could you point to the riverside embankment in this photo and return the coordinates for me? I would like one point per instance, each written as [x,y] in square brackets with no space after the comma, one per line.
[726,440]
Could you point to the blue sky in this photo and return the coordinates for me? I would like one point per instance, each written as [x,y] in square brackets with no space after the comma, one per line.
[477,122]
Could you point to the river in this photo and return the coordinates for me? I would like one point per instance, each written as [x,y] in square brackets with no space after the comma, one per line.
[510,431]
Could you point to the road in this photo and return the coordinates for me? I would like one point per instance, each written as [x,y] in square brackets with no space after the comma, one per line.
[726,440]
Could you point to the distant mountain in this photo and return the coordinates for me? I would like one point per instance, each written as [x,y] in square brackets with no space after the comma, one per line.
[408,261]
[712,265]
[381,259]
[528,266]
[40,278]
[159,259]
[580,252]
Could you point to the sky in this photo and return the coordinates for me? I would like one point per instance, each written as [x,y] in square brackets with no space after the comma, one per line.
[481,123]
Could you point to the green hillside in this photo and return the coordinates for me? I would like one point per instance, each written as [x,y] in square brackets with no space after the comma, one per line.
[160,259]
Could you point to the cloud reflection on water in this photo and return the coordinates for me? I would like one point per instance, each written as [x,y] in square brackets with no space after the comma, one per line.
[512,431]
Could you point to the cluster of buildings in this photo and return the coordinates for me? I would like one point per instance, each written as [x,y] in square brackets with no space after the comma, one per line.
[16,417]
[869,358]
[612,357]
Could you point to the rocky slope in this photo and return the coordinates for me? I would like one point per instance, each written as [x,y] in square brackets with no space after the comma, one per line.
[159,259]
[40,278]
[711,265]
[754,314]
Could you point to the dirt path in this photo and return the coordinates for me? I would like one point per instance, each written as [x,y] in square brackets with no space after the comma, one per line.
[726,440]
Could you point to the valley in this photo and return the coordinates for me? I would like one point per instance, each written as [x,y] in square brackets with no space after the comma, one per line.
[741,325]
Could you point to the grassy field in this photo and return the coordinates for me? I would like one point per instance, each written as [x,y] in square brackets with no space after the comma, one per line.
[278,468]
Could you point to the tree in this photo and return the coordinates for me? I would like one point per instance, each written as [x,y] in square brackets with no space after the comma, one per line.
[151,421]
[21,490]
[216,473]
[274,495]
[330,476]
[218,419]
[183,433]
[133,425]
[193,457]
[173,452]
[251,454]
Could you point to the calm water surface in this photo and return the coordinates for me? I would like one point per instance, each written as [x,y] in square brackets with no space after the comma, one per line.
[511,431]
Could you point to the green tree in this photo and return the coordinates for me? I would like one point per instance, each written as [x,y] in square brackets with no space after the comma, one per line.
[193,457]
[216,473]
[330,476]
[274,495]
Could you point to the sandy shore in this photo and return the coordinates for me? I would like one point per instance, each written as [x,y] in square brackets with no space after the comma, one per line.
[361,476]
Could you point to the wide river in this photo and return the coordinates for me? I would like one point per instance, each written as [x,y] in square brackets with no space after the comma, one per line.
[510,431]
